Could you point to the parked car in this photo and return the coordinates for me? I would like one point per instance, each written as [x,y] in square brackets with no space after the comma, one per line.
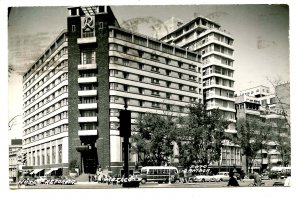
[221,176]
[202,178]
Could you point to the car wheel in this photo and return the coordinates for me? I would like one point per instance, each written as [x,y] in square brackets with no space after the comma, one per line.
[203,180]
[143,181]
[221,180]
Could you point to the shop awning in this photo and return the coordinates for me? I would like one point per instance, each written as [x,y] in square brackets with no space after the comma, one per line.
[49,171]
[36,171]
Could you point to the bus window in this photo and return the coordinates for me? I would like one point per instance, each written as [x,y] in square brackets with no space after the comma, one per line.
[155,172]
[144,171]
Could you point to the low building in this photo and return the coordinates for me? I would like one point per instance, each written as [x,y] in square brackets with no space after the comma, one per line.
[15,158]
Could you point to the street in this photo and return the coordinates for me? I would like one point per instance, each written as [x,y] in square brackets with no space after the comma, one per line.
[94,185]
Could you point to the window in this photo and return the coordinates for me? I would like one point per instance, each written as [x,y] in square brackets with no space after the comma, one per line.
[155,93]
[155,69]
[88,56]
[179,75]
[155,105]
[168,72]
[168,95]
[141,78]
[73,28]
[125,49]
[141,103]
[100,25]
[53,155]
[125,88]
[141,66]
[60,153]
[180,86]
[168,84]
[180,97]
[141,91]
[125,74]
[154,81]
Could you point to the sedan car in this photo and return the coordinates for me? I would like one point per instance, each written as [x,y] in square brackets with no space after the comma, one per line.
[221,176]
[202,178]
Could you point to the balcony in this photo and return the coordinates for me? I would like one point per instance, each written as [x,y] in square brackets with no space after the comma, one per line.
[87,106]
[87,79]
[86,40]
[87,132]
[87,93]
[87,119]
[87,66]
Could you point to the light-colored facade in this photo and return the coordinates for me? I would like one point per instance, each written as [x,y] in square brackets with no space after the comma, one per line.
[45,107]
[258,103]
[14,159]
[215,46]
[73,93]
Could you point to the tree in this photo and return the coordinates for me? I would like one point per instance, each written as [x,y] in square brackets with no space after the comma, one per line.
[154,139]
[253,136]
[200,136]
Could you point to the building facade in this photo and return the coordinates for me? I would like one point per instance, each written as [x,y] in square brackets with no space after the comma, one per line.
[215,46]
[15,158]
[45,111]
[73,93]
[260,104]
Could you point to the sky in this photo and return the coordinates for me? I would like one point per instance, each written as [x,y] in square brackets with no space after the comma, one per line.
[260,32]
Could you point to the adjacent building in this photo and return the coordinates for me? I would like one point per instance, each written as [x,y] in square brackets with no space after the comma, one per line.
[15,158]
[259,103]
[215,46]
[73,93]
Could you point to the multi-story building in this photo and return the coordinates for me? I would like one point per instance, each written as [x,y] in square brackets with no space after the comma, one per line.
[73,93]
[258,103]
[45,110]
[15,158]
[215,46]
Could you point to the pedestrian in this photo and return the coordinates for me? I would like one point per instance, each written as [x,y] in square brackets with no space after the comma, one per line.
[232,180]
[89,178]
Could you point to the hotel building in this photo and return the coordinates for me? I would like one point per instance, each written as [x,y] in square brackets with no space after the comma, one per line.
[215,46]
[73,93]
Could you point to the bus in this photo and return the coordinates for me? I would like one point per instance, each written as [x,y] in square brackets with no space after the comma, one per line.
[159,174]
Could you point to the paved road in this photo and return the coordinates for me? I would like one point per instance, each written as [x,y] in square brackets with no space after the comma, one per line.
[94,185]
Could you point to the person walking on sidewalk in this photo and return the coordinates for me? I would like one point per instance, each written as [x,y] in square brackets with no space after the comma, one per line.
[89,178]
[232,181]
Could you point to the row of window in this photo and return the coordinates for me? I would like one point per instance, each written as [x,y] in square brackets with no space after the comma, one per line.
[155,69]
[155,57]
[220,103]
[216,48]
[219,92]
[62,38]
[63,89]
[58,105]
[148,104]
[45,134]
[42,157]
[149,92]
[157,46]
[44,80]
[218,81]
[49,121]
[46,67]
[218,70]
[217,60]
[148,80]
